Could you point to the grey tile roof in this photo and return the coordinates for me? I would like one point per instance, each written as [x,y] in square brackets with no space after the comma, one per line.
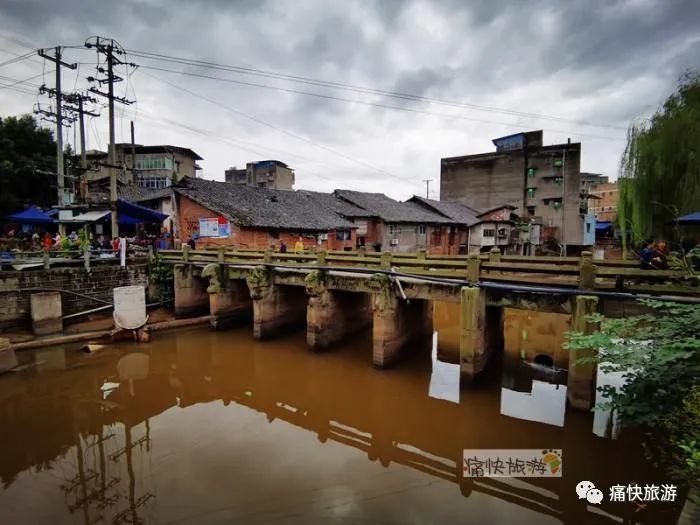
[261,207]
[454,210]
[135,193]
[339,206]
[389,210]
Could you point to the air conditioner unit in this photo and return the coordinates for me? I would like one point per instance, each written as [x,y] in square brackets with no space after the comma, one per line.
[394,242]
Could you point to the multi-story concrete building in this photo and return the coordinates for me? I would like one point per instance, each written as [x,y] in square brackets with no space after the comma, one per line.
[151,167]
[602,201]
[271,174]
[588,180]
[542,183]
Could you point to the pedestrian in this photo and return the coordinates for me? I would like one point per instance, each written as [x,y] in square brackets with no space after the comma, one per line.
[36,241]
[658,257]
[283,247]
[191,242]
[116,243]
[646,254]
[48,241]
[299,246]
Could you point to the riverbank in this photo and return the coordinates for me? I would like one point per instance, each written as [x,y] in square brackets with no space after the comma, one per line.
[98,328]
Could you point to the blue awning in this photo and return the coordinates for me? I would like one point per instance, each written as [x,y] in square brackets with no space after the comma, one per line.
[138,212]
[602,225]
[31,215]
[691,218]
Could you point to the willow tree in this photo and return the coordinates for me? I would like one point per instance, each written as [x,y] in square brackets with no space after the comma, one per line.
[660,168]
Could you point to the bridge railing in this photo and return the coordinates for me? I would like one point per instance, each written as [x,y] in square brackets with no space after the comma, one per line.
[47,259]
[576,272]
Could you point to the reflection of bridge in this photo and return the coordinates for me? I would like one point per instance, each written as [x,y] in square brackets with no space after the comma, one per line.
[334,294]
[386,416]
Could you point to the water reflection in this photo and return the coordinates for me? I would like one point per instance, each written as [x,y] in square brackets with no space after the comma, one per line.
[444,377]
[212,427]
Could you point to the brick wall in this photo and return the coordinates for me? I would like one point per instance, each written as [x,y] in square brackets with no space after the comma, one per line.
[99,282]
[191,212]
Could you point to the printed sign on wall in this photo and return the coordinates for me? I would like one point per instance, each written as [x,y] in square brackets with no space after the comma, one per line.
[214,227]
[208,227]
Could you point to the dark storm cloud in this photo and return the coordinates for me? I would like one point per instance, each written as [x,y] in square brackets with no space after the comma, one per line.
[595,61]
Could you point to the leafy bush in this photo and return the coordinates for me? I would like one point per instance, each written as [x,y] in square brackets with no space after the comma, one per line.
[162,278]
[659,355]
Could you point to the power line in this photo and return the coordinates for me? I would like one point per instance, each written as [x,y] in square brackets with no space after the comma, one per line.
[367,103]
[243,145]
[284,131]
[359,89]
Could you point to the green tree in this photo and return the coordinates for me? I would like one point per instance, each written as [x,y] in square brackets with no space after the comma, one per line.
[27,152]
[660,168]
[659,355]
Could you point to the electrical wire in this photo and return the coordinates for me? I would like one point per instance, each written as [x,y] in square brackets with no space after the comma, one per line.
[355,88]
[374,104]
[287,132]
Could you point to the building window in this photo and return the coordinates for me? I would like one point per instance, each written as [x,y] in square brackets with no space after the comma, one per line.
[488,232]
[420,229]
[342,235]
[394,230]
[531,193]
[558,163]
[531,172]
[154,163]
[531,210]
[558,181]
[556,204]
[154,183]
[274,235]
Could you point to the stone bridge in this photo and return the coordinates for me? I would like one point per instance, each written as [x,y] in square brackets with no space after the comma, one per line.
[331,302]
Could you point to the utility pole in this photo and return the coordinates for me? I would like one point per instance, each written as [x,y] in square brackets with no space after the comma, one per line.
[80,99]
[427,187]
[133,153]
[563,197]
[59,118]
[111,50]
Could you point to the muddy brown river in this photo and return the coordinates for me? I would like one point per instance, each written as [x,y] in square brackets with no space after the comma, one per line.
[215,427]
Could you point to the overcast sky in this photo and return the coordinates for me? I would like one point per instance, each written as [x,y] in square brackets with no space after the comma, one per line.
[588,67]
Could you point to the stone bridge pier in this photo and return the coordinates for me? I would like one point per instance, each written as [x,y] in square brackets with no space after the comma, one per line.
[191,296]
[480,332]
[277,308]
[333,314]
[229,297]
[396,321]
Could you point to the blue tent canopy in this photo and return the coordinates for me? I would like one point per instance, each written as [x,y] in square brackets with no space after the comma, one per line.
[138,213]
[691,218]
[31,215]
[602,225]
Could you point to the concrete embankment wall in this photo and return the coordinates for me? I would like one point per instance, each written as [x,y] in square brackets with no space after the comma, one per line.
[98,282]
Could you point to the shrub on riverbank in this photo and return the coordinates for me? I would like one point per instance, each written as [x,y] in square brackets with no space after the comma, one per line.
[659,355]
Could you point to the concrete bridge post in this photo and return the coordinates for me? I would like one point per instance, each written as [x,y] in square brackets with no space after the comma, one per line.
[191,297]
[582,377]
[229,299]
[276,308]
[396,321]
[481,329]
[333,314]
